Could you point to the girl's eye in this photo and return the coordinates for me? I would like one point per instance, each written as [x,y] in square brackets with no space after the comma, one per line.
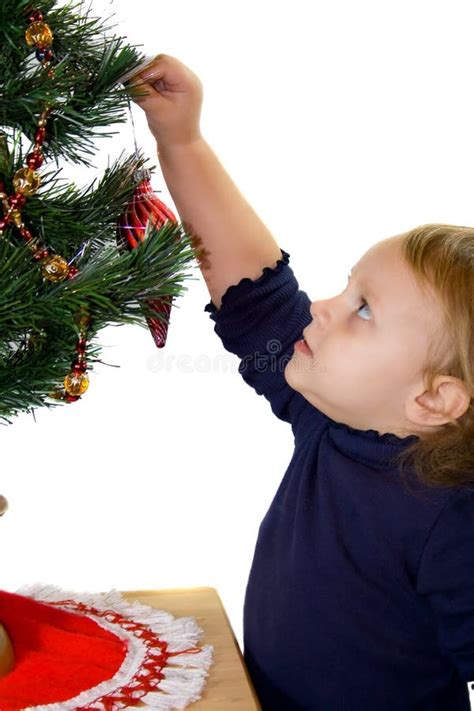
[363,305]
[364,302]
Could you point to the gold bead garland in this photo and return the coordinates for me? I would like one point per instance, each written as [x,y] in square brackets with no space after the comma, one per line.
[26,182]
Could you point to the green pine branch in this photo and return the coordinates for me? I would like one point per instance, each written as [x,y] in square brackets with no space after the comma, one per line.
[84,92]
[114,289]
[38,318]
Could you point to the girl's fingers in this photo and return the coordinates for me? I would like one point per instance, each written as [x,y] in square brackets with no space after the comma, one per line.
[134,75]
[142,93]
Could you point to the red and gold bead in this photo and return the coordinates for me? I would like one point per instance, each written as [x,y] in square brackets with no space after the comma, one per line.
[35,16]
[26,181]
[34,160]
[71,398]
[17,200]
[55,268]
[76,383]
[38,34]
[17,218]
[40,134]
[84,320]
[44,116]
[26,234]
[40,254]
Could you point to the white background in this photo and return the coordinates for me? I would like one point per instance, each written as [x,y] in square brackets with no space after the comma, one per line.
[342,123]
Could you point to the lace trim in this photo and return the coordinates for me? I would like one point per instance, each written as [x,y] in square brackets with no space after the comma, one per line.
[163,667]
[247,282]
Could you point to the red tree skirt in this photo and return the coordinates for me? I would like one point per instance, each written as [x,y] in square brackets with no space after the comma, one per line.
[98,651]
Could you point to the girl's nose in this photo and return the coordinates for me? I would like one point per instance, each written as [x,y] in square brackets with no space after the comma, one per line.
[320,311]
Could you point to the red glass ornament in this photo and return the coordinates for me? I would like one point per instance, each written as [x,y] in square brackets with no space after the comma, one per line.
[3,224]
[145,206]
[72,272]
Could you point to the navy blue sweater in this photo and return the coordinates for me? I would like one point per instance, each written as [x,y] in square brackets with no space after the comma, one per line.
[361,590]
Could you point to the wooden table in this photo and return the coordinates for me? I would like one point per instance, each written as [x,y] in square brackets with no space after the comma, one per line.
[228,685]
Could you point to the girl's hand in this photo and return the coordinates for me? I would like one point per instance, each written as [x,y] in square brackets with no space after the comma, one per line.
[173,100]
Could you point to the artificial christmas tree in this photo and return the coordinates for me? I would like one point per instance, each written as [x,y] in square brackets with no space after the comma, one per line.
[61,248]
[73,261]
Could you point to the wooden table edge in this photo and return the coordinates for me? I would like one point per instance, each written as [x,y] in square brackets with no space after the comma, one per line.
[147,593]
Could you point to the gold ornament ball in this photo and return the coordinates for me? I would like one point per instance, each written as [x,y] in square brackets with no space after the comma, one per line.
[26,181]
[76,383]
[54,268]
[3,505]
[39,34]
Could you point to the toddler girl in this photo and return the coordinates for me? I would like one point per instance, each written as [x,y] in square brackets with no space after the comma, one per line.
[361,591]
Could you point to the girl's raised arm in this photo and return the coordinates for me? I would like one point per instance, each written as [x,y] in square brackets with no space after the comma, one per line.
[234,240]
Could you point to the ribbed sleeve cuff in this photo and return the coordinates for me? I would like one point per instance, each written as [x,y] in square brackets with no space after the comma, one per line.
[245,286]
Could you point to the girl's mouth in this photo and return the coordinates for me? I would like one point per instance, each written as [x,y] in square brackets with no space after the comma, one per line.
[302,347]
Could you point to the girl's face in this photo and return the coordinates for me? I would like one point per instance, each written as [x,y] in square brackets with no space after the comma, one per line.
[369,344]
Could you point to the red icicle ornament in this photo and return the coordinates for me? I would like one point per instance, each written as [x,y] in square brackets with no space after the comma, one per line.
[145,206]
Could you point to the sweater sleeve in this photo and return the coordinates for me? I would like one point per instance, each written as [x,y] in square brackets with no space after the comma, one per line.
[446,578]
[259,321]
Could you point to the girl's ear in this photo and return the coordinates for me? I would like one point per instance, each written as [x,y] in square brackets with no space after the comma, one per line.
[448,400]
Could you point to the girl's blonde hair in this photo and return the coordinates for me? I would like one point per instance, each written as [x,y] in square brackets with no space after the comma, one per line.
[442,258]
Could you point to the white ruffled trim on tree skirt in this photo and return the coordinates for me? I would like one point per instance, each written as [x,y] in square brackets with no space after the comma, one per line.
[184,680]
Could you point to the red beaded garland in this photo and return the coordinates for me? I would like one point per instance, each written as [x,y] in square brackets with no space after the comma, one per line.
[40,134]
[79,367]
[26,234]
[34,160]
[17,200]
[72,272]
[40,254]
[36,16]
